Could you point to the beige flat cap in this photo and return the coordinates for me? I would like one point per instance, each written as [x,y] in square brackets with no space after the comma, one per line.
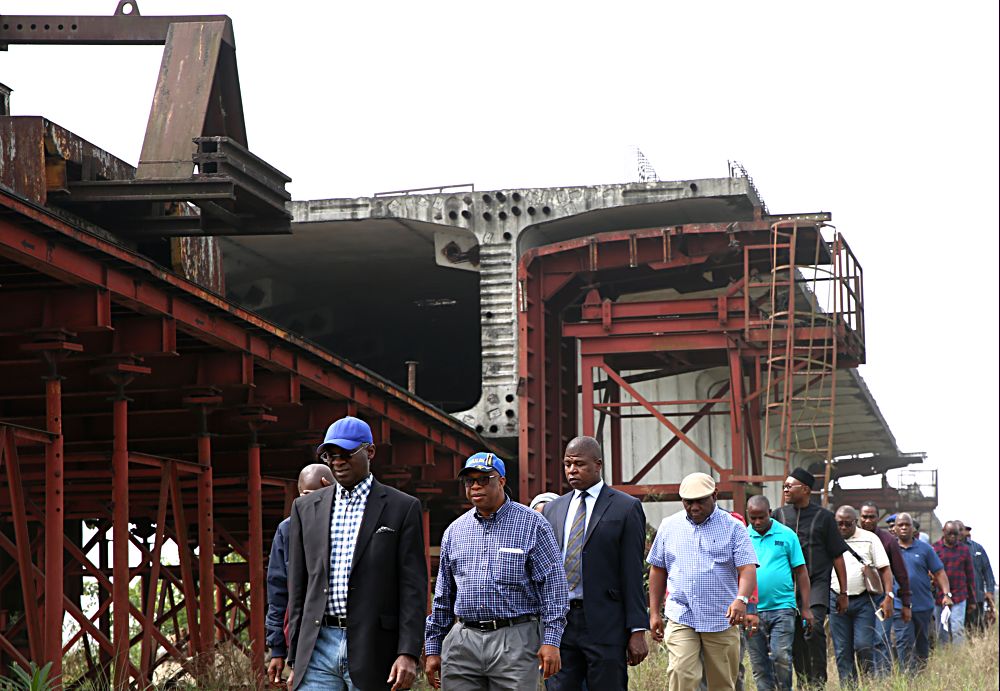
[696,486]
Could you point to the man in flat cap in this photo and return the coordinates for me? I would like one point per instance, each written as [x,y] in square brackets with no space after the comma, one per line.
[705,560]
[501,597]
[357,579]
[824,549]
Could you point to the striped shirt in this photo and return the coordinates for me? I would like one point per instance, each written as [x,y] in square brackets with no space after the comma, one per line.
[701,561]
[500,567]
[345,522]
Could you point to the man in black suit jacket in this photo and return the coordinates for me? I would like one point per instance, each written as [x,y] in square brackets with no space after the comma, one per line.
[356,571]
[602,533]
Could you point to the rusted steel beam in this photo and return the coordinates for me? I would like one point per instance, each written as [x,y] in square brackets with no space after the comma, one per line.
[146,651]
[119,30]
[199,312]
[206,549]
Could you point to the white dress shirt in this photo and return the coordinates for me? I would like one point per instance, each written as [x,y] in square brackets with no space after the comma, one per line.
[574,506]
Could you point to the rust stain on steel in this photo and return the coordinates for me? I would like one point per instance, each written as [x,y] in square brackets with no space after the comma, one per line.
[22,159]
[199,259]
[95,162]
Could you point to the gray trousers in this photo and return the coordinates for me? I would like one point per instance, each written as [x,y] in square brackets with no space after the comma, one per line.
[501,660]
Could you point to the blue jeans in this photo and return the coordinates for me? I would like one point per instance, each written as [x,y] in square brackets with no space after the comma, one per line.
[883,644]
[771,649]
[913,644]
[853,635]
[955,633]
[327,670]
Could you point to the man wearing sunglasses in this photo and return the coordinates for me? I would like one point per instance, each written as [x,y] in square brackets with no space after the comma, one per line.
[823,548]
[357,579]
[500,600]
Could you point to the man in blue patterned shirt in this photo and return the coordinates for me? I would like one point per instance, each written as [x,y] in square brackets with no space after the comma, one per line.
[501,596]
[705,561]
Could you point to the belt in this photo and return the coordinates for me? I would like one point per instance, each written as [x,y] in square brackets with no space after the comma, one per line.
[494,624]
[335,621]
[576,604]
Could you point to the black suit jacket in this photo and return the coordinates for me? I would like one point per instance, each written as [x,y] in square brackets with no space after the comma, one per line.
[387,592]
[614,599]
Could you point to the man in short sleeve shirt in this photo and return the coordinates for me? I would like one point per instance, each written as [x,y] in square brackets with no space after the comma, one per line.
[704,559]
[913,636]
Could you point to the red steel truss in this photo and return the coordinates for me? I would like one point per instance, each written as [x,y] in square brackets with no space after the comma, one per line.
[137,403]
[569,310]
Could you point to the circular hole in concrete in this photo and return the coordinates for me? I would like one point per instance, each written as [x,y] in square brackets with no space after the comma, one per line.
[467,200]
[546,210]
[466,214]
[503,215]
[507,236]
[488,315]
[531,211]
[516,196]
[452,215]
[487,215]
[509,398]
[694,187]
[479,428]
[509,413]
[516,210]
[501,197]
[493,429]
[487,199]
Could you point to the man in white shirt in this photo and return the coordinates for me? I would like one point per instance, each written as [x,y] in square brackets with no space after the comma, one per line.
[854,630]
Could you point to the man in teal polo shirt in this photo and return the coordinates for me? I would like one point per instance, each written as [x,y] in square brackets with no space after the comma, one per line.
[780,559]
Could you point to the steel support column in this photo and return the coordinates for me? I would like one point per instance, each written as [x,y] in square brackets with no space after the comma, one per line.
[119,533]
[737,426]
[256,549]
[206,549]
[54,527]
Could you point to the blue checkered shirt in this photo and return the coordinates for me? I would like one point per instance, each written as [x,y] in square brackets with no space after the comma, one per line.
[345,522]
[500,567]
[701,562]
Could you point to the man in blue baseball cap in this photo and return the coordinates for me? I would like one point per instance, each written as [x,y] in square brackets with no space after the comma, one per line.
[356,574]
[501,597]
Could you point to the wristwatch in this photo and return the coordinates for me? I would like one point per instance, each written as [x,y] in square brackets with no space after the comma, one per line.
[948,595]
[891,594]
[744,599]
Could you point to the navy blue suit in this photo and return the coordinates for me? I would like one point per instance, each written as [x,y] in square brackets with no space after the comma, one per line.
[614,599]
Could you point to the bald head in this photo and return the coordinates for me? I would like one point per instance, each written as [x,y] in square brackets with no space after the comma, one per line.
[759,513]
[847,521]
[584,446]
[313,477]
[847,511]
[759,502]
[953,533]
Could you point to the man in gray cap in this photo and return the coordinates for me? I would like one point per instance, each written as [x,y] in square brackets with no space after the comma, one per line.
[705,560]
[824,549]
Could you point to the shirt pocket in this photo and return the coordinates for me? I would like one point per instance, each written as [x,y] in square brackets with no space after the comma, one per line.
[510,566]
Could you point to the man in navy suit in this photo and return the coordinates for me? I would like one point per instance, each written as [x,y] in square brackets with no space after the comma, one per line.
[602,533]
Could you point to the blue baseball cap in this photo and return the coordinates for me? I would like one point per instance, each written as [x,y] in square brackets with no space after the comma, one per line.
[347,433]
[484,462]
[890,519]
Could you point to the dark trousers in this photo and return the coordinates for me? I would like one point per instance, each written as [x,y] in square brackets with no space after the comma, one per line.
[913,645]
[809,653]
[601,666]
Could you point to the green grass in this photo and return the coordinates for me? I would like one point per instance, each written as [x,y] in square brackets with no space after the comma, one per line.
[971,666]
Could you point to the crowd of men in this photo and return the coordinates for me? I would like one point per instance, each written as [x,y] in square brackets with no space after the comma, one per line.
[554,591]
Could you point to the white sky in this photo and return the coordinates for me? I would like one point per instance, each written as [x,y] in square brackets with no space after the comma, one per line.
[884,114]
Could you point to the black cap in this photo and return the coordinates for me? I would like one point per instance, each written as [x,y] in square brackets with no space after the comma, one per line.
[805,477]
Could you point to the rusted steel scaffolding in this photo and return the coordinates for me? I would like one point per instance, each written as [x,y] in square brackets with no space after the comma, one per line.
[569,310]
[134,401]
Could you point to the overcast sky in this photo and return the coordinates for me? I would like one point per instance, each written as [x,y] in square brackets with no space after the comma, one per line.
[884,114]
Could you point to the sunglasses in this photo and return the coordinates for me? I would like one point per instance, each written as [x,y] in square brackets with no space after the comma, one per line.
[478,481]
[331,456]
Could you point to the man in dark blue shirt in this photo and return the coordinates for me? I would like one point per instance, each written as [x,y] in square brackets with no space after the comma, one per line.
[913,637]
[312,477]
[985,581]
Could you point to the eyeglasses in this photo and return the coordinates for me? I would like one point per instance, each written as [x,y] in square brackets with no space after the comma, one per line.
[483,481]
[331,456]
[790,486]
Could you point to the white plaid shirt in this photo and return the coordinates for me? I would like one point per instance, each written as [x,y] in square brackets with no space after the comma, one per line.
[345,522]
